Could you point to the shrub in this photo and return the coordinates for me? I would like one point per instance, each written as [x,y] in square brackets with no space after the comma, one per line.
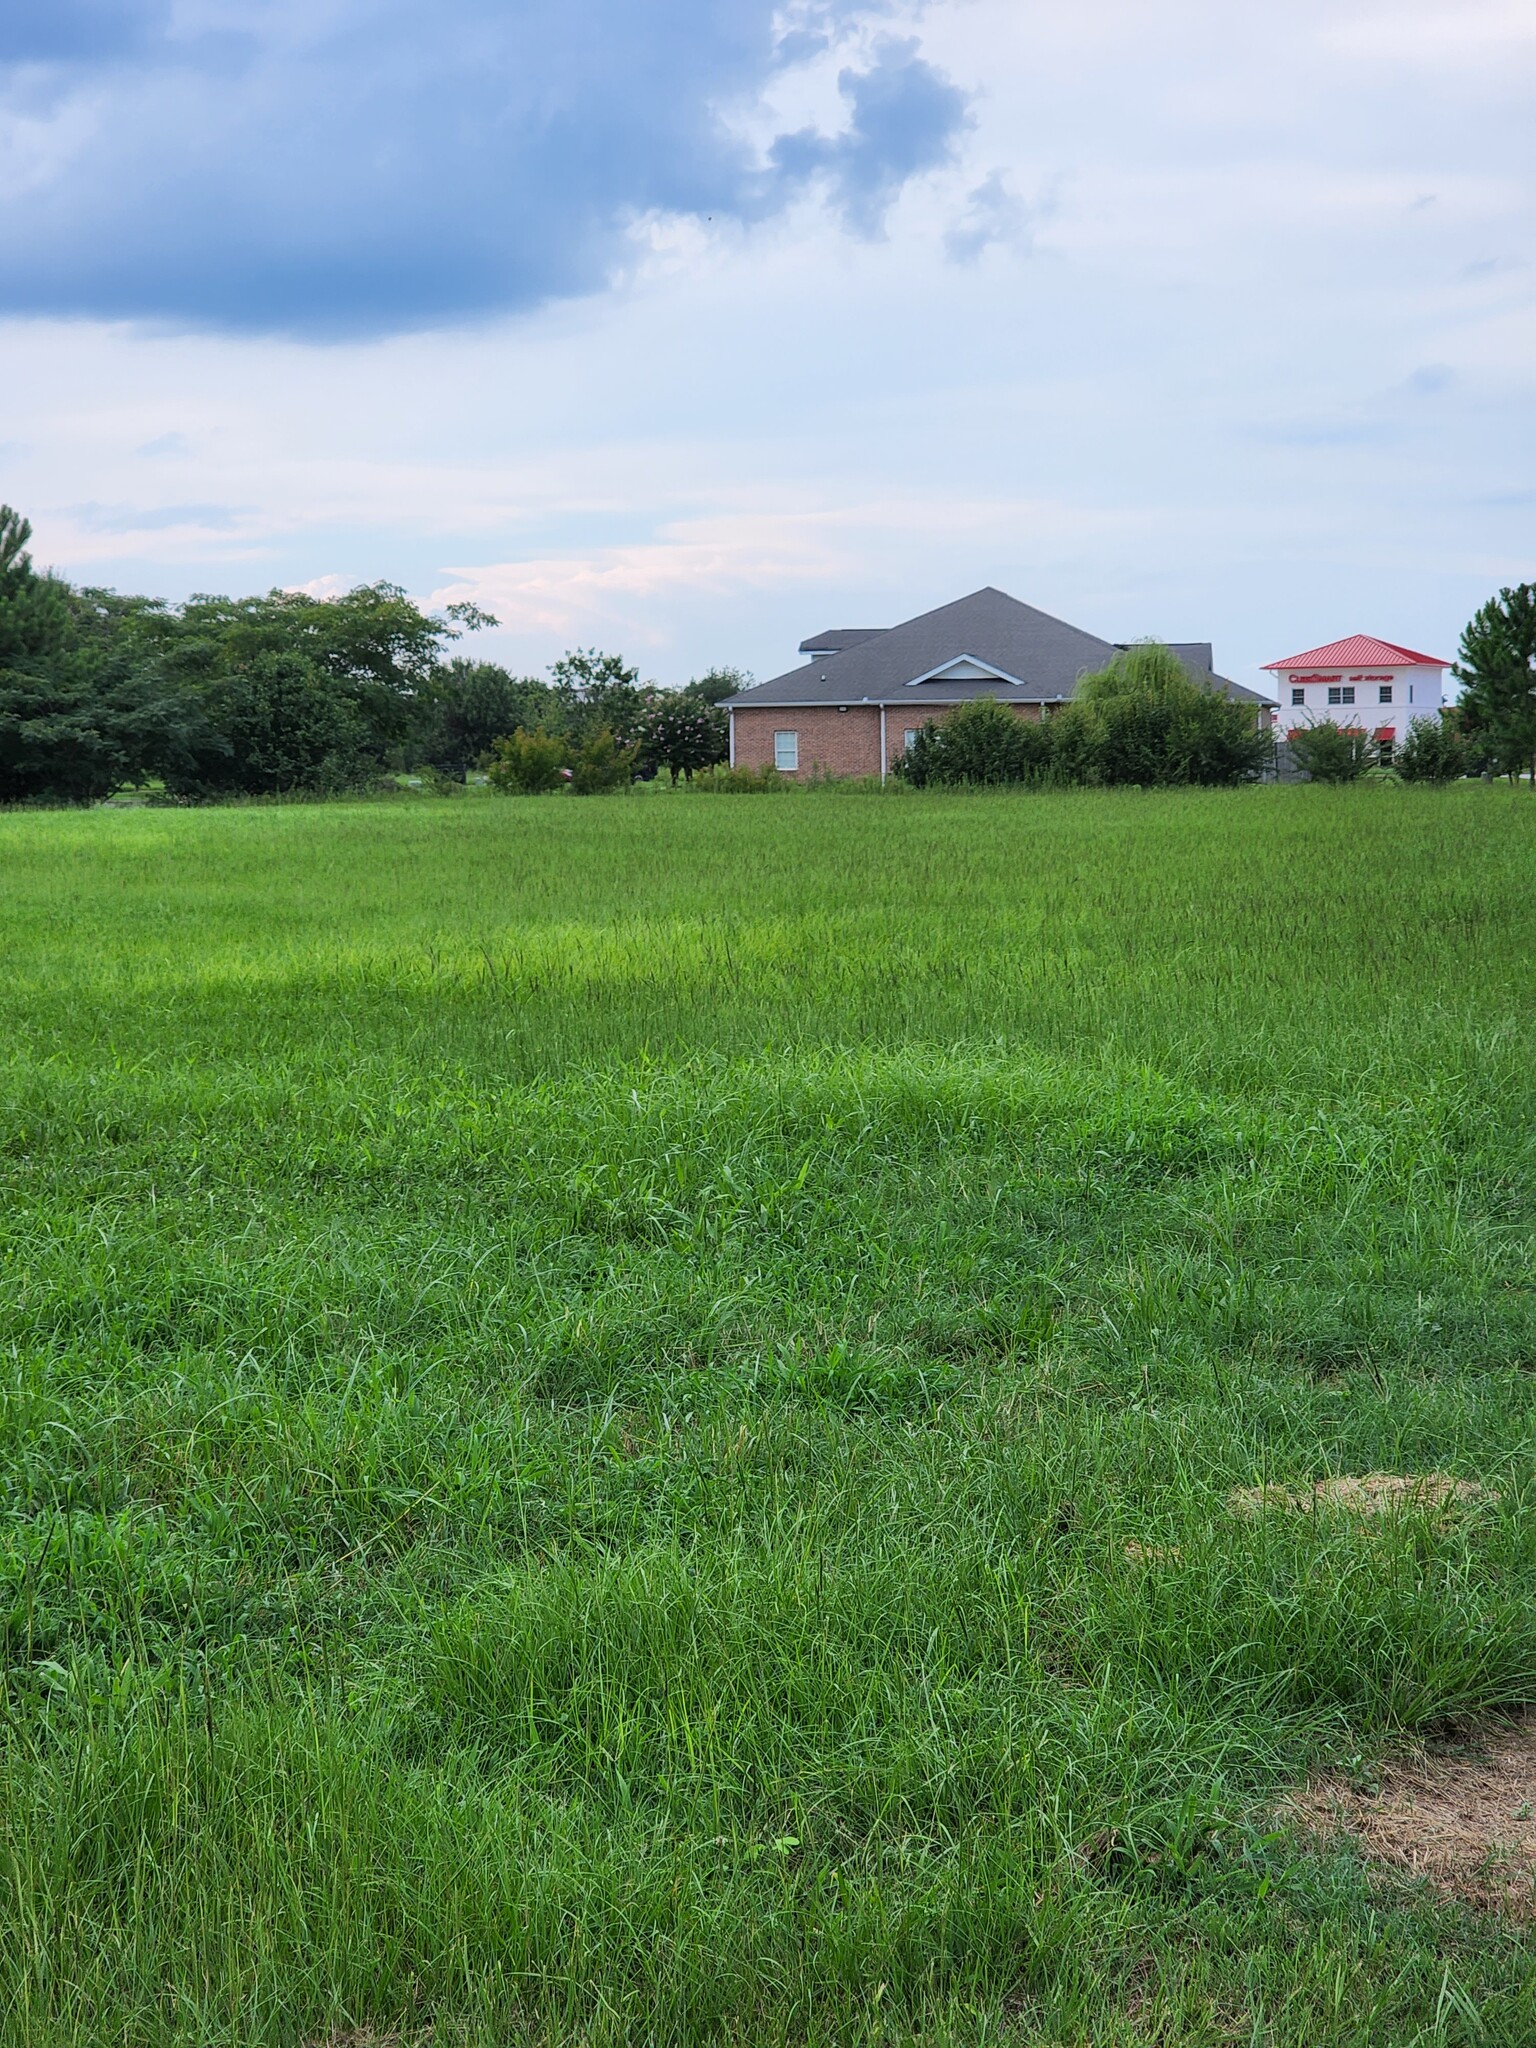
[602,765]
[980,742]
[1330,752]
[530,763]
[1434,751]
[740,781]
[1213,740]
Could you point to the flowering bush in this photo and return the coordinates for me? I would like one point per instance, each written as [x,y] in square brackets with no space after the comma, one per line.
[683,734]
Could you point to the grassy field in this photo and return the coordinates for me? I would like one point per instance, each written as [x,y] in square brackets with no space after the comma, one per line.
[616,1419]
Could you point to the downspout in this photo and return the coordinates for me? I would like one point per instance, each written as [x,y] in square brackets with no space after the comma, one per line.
[883,747]
[732,741]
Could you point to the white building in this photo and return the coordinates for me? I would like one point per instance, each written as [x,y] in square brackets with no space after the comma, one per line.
[1372,686]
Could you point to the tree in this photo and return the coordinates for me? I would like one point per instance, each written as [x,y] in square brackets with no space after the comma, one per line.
[474,704]
[716,684]
[78,715]
[34,610]
[1433,751]
[1144,719]
[683,734]
[354,674]
[277,725]
[74,729]
[1497,673]
[1146,672]
[218,695]
[592,692]
[1330,752]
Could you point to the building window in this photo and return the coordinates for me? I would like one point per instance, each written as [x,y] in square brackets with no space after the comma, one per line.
[1298,696]
[1384,753]
[1341,693]
[909,738]
[1386,693]
[786,752]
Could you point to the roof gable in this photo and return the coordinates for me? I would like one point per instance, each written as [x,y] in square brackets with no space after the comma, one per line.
[1360,650]
[965,668]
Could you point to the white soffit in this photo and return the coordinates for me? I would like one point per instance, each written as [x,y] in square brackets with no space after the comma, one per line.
[965,668]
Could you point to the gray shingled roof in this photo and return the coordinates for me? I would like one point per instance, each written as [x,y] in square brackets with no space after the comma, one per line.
[1043,657]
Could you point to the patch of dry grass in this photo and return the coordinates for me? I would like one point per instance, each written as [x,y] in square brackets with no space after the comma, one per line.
[1367,1493]
[1463,1818]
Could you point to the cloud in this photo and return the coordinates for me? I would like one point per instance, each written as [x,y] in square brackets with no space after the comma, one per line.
[992,214]
[330,168]
[619,586]
[69,29]
[727,556]
[155,519]
[905,119]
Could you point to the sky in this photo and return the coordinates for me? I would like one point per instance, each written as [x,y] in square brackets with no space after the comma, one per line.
[686,328]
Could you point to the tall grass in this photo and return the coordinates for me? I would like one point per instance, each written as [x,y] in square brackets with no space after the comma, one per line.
[616,1420]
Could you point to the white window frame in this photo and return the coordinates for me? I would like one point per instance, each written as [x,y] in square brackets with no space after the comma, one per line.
[786,752]
[1384,694]
[909,738]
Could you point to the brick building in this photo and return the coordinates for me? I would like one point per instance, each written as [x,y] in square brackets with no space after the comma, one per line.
[855,704]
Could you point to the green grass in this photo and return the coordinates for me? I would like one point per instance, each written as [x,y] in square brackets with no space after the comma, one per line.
[575,1380]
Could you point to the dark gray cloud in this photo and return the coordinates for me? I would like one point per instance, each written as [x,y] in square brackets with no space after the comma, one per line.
[905,118]
[342,167]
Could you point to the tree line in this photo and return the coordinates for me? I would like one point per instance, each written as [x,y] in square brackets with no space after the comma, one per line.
[292,694]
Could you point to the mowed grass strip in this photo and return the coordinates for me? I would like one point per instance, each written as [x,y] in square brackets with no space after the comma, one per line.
[619,1421]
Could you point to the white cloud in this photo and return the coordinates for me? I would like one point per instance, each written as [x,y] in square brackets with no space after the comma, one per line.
[1460,33]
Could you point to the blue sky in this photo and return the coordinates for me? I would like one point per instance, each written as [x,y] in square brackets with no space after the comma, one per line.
[689,326]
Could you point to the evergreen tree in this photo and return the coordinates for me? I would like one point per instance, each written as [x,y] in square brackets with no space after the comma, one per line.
[34,610]
[1497,673]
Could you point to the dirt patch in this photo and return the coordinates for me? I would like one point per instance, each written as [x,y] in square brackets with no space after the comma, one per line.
[1368,1493]
[1464,1818]
[369,2037]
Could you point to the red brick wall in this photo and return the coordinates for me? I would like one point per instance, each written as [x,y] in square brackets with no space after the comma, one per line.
[837,742]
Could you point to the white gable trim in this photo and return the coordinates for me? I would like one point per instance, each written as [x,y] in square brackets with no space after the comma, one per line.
[965,668]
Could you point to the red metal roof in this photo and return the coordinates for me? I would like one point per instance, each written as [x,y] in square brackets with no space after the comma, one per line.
[1359,651]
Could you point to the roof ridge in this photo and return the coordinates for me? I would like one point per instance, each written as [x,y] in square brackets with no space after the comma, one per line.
[1357,647]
